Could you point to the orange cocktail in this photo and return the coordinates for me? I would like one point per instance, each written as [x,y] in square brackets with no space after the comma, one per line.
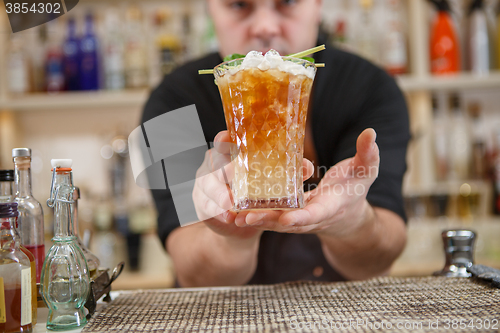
[265,109]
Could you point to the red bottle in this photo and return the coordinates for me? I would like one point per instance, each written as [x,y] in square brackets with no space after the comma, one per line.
[444,45]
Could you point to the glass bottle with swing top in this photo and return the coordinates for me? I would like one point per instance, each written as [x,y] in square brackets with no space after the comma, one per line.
[65,276]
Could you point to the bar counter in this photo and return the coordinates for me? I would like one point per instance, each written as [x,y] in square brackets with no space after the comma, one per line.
[418,304]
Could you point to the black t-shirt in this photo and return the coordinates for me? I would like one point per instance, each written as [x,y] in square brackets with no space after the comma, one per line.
[350,94]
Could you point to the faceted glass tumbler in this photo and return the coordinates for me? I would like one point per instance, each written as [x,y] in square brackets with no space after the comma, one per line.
[265,113]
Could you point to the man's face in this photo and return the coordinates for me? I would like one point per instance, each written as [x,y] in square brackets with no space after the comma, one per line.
[288,26]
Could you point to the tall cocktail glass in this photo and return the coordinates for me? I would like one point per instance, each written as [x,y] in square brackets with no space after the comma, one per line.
[265,113]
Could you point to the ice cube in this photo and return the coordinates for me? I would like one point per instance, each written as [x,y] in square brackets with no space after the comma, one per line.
[252,59]
[264,65]
[274,58]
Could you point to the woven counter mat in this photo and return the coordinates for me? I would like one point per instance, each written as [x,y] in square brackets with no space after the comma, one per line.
[381,304]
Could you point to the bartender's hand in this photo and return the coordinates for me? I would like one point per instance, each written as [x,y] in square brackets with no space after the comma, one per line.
[212,195]
[358,240]
[337,206]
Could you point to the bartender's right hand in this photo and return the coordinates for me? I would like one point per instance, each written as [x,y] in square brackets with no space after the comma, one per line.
[212,194]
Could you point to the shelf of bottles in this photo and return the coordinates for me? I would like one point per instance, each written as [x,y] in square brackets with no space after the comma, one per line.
[104,54]
[122,50]
[452,44]
[440,50]
[465,149]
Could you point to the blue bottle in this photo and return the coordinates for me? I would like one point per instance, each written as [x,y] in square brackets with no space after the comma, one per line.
[89,65]
[71,53]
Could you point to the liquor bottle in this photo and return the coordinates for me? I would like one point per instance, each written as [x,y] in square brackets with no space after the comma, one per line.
[495,171]
[54,68]
[366,40]
[440,127]
[498,37]
[444,46]
[478,131]
[168,46]
[31,227]
[135,51]
[114,48]
[478,41]
[459,143]
[89,66]
[18,67]
[7,196]
[6,185]
[71,50]
[38,54]
[65,276]
[15,276]
[395,58]
[92,261]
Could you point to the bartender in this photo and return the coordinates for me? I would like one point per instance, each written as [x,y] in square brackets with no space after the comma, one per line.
[353,224]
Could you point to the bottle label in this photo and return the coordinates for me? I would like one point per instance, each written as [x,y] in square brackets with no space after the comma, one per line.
[3,318]
[26,296]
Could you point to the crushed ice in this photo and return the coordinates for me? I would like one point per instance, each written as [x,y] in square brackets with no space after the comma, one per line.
[271,60]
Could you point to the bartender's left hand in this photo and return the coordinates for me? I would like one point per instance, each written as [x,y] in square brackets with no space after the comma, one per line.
[338,206]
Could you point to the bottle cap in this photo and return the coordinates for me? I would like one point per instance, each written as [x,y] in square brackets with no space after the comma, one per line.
[6,175]
[18,152]
[61,163]
[441,5]
[476,4]
[8,209]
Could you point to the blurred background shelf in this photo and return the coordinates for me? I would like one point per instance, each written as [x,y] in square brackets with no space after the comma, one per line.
[77,100]
[135,98]
[463,81]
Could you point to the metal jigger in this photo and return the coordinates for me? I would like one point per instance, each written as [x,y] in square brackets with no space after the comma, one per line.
[458,248]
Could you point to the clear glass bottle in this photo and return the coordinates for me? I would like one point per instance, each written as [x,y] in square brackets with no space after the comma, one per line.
[92,261]
[15,276]
[6,185]
[459,141]
[31,227]
[18,67]
[395,58]
[478,136]
[479,39]
[65,274]
[366,39]
[136,72]
[114,49]
[440,131]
